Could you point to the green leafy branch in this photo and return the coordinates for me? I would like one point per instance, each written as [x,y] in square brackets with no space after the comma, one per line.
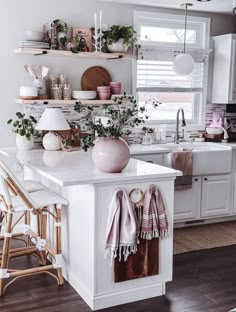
[116,122]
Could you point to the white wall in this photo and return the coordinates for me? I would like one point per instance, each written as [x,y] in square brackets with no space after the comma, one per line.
[19,15]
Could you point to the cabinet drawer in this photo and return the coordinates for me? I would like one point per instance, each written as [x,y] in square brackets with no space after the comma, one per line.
[152,158]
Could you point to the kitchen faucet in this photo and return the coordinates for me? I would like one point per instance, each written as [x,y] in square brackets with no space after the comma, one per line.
[177,136]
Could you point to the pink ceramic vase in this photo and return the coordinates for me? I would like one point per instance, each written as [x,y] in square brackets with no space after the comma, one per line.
[110,154]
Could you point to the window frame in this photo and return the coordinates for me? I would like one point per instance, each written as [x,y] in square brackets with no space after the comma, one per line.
[203,39]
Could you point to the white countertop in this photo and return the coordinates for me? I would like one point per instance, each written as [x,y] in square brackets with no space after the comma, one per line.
[76,168]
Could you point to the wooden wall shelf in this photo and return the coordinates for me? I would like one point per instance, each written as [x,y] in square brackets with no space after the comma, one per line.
[66,102]
[92,55]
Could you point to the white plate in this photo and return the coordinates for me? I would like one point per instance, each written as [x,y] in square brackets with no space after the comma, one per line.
[84,98]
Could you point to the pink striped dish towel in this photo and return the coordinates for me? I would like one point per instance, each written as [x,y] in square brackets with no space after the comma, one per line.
[154,221]
[122,226]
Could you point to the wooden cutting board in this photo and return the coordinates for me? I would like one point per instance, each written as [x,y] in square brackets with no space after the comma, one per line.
[93,77]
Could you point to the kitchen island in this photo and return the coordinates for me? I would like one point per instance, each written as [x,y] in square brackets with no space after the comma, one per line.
[89,192]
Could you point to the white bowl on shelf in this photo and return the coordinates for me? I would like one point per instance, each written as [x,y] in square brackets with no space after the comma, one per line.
[214,130]
[34,35]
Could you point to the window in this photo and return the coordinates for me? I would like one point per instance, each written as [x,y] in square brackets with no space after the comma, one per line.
[161,38]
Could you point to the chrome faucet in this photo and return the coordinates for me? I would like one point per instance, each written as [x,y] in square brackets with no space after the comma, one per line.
[177,136]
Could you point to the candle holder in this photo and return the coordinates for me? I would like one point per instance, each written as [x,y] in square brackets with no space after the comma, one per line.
[98,42]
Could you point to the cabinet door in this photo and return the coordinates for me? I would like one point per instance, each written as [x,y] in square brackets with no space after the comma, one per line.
[232,82]
[215,196]
[187,202]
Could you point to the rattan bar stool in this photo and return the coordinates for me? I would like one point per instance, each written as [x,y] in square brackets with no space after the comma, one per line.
[30,186]
[24,203]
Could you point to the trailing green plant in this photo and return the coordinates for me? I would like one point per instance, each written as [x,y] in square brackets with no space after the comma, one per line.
[77,43]
[22,125]
[116,122]
[117,32]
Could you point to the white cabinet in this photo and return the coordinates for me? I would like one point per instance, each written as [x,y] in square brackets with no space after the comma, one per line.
[216,196]
[209,198]
[187,202]
[224,75]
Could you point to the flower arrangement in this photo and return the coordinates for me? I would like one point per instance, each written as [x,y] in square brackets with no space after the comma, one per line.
[116,122]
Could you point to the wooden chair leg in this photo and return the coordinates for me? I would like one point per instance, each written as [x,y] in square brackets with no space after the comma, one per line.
[43,236]
[6,250]
[58,242]
[27,223]
[1,220]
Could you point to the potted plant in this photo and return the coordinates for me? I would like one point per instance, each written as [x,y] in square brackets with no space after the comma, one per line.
[24,129]
[119,38]
[110,152]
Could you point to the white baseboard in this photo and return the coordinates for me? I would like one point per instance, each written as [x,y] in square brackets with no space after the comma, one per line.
[114,298]
[126,296]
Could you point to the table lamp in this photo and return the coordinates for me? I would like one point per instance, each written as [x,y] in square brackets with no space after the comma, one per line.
[52,120]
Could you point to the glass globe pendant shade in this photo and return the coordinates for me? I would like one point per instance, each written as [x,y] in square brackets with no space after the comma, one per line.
[183,64]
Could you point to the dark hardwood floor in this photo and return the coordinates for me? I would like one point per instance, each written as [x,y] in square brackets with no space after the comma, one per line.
[204,281]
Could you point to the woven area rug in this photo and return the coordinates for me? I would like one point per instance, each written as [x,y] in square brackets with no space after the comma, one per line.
[206,236]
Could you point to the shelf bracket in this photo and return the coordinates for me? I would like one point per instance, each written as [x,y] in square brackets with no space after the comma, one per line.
[41,53]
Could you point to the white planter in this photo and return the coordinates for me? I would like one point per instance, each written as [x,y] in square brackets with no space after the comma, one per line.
[117,47]
[23,144]
[59,36]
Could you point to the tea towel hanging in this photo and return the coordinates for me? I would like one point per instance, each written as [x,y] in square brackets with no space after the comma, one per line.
[154,221]
[122,226]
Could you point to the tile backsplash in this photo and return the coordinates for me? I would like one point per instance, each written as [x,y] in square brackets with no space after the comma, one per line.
[36,111]
[214,108]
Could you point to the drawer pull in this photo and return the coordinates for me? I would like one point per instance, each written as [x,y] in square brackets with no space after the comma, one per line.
[196,179]
[205,179]
[150,161]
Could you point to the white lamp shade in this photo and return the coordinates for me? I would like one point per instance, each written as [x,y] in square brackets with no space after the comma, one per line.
[52,119]
[183,64]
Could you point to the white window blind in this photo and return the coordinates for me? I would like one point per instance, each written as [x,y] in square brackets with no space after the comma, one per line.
[160,40]
[158,76]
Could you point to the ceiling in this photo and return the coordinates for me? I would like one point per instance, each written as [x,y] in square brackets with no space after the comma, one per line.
[217,6]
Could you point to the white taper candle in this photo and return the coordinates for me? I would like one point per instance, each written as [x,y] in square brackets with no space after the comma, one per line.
[95,25]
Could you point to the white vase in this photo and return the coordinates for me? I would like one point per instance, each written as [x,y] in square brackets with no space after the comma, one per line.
[118,46]
[23,144]
[60,35]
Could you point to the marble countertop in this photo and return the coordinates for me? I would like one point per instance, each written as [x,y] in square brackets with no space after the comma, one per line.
[76,168]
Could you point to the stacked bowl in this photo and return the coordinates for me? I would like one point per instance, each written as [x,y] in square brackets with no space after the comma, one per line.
[115,87]
[104,92]
[84,95]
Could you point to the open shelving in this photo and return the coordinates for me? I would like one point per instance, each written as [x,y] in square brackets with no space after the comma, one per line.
[65,102]
[92,55]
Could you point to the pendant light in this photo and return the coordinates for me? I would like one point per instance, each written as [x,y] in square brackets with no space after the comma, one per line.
[184,63]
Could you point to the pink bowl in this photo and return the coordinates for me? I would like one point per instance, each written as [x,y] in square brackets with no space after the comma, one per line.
[104,95]
[116,90]
[115,83]
[105,88]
